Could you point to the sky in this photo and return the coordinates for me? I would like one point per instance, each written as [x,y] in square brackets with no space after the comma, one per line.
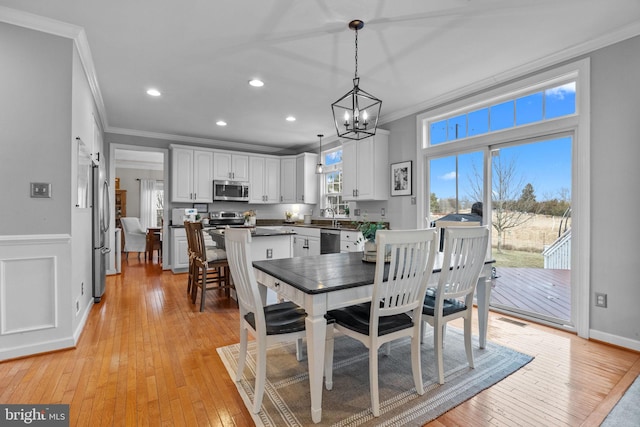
[545,164]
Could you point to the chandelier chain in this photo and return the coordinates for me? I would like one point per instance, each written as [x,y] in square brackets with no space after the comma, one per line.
[356,75]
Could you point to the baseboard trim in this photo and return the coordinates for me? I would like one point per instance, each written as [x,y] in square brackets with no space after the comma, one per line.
[614,340]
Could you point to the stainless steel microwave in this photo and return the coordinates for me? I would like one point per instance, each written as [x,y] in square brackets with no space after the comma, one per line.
[232,191]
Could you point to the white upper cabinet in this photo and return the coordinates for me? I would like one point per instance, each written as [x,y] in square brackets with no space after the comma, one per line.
[288,180]
[228,166]
[306,178]
[264,179]
[365,168]
[191,175]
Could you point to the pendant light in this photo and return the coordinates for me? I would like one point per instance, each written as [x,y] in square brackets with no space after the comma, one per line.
[319,166]
[356,113]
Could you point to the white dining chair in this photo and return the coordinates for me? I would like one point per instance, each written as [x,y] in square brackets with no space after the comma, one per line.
[465,250]
[399,288]
[135,237]
[281,322]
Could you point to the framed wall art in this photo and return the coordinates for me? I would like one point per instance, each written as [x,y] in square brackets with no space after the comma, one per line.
[401,179]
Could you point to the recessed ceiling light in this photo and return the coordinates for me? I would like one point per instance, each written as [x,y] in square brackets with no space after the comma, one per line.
[221,123]
[153,92]
[291,119]
[256,83]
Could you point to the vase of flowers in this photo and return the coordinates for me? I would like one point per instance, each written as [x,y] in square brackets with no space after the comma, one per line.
[250,218]
[368,230]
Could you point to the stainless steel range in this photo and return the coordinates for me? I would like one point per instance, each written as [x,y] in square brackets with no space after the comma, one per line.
[222,219]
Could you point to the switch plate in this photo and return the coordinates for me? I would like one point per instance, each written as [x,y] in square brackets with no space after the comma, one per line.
[41,189]
[601,300]
[269,253]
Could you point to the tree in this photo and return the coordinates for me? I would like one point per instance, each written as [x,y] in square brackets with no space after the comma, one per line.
[527,201]
[433,203]
[508,189]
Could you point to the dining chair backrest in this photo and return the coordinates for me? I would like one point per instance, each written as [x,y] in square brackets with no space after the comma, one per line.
[198,241]
[465,249]
[191,245]
[131,225]
[237,243]
[410,255]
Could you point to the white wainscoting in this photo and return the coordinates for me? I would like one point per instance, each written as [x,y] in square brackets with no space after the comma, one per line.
[36,305]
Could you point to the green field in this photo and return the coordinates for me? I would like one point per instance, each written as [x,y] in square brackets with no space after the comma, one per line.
[510,258]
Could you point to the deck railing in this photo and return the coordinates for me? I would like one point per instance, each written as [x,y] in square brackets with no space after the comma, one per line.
[558,254]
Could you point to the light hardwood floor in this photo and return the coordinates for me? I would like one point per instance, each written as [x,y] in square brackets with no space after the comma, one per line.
[147,357]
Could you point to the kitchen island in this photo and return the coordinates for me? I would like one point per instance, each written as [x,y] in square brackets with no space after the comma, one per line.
[266,243]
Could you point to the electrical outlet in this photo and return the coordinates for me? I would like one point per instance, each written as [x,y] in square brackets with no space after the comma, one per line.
[82,288]
[382,211]
[601,300]
[41,190]
[269,253]
[77,306]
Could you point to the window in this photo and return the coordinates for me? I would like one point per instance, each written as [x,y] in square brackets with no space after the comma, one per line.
[549,103]
[332,182]
[159,202]
[524,134]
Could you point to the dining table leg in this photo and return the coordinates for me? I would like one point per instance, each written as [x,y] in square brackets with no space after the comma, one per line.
[316,334]
[483,296]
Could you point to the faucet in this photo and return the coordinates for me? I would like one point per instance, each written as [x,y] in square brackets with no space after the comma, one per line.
[334,222]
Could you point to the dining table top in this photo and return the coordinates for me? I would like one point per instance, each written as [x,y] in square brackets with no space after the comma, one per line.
[327,272]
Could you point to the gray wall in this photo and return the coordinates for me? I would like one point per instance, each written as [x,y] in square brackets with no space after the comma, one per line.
[35,131]
[615,177]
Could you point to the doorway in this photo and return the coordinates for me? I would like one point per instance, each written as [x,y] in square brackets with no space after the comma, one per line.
[531,222]
[529,213]
[139,175]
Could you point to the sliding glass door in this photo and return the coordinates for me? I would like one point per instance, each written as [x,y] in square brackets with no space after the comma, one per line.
[531,221]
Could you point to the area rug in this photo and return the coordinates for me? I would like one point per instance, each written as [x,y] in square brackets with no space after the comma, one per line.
[627,410]
[287,400]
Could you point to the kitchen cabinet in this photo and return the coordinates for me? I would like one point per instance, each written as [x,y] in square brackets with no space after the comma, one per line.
[288,179]
[229,166]
[264,179]
[191,175]
[365,168]
[351,241]
[306,178]
[179,250]
[306,241]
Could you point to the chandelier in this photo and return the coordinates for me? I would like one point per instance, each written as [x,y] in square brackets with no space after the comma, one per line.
[356,113]
[320,166]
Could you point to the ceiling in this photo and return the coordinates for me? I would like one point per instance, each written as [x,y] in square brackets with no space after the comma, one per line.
[411,54]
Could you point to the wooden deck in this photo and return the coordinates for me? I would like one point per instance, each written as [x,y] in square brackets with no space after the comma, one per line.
[545,292]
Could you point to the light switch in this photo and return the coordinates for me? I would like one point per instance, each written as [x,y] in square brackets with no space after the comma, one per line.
[41,189]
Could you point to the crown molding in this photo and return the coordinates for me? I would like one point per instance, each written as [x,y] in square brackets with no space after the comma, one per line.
[210,143]
[70,31]
[570,53]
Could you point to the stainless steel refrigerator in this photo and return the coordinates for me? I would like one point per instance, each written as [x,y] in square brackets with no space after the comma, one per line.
[100,226]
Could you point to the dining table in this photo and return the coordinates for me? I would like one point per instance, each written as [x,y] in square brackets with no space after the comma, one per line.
[325,282]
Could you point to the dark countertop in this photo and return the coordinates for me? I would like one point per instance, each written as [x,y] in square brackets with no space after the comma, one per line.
[255,232]
[217,234]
